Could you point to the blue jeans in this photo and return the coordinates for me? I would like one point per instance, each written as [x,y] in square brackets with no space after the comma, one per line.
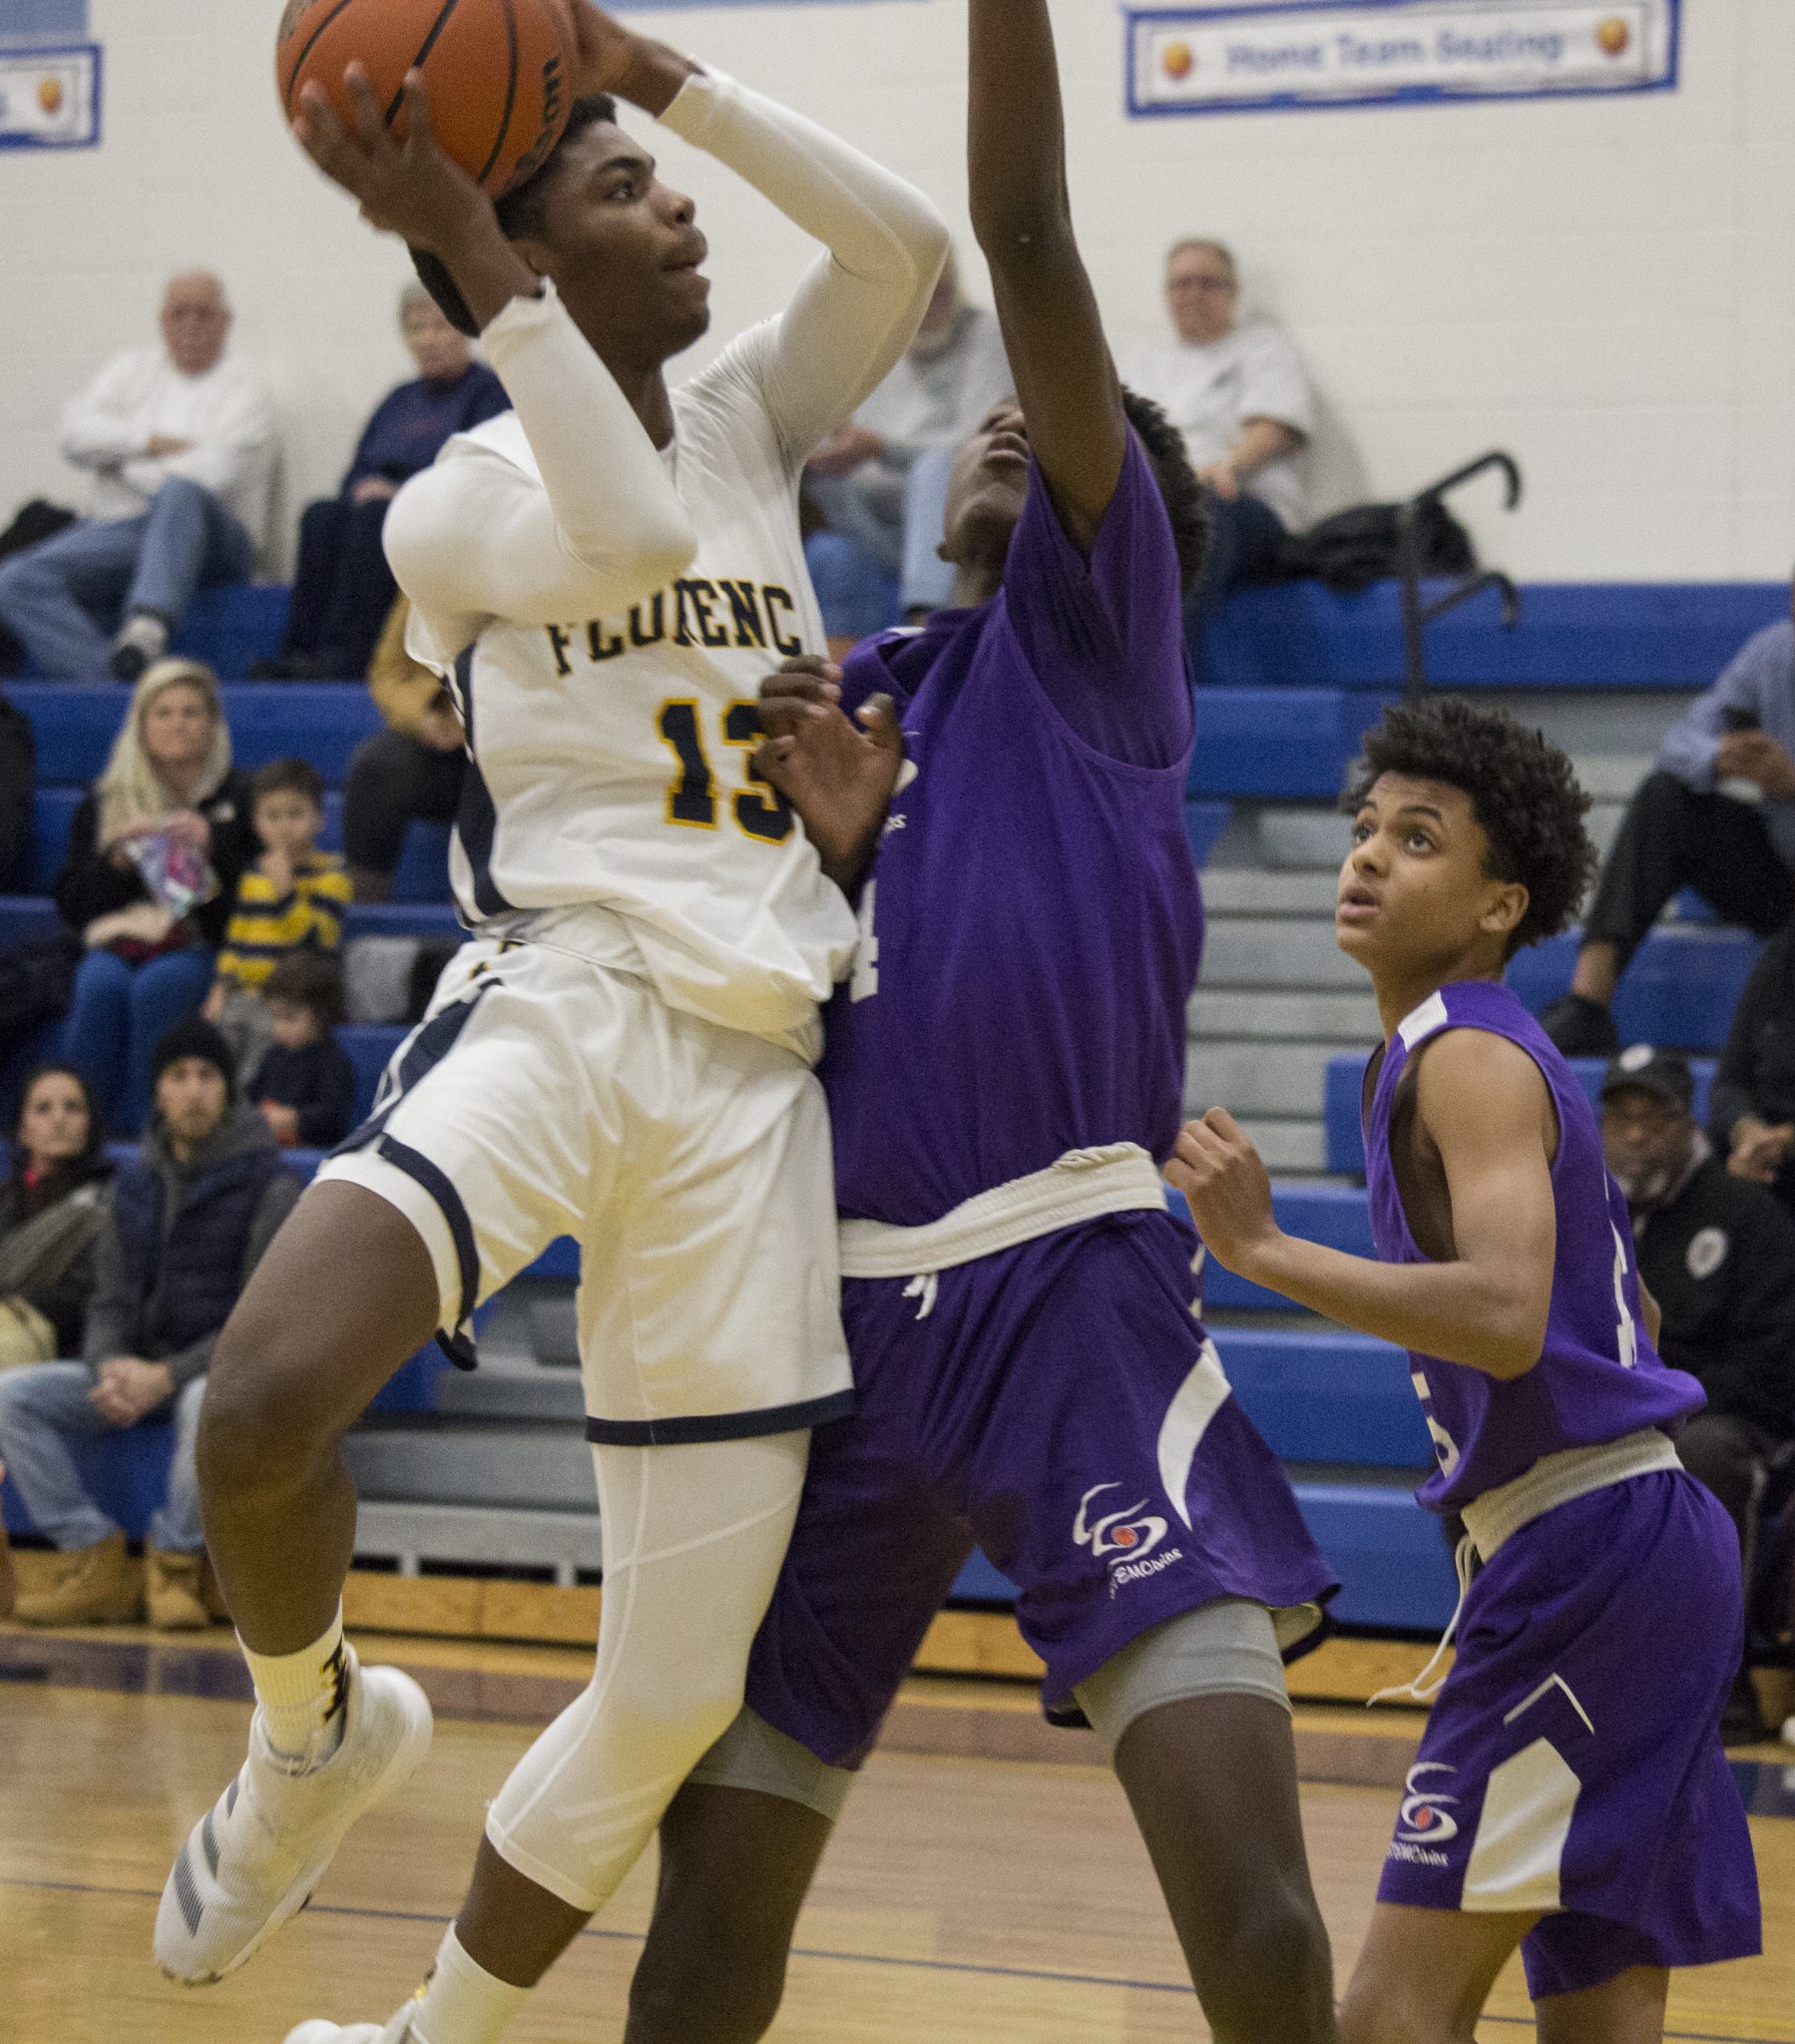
[871,572]
[118,1015]
[41,1405]
[65,598]
[1244,539]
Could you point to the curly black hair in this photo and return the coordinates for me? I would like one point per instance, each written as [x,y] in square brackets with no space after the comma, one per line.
[1191,522]
[1524,793]
[519,211]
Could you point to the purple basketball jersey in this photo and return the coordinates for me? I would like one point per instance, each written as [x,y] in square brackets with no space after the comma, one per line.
[1033,926]
[1598,1377]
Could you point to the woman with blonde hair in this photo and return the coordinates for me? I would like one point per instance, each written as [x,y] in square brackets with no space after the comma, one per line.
[154,852]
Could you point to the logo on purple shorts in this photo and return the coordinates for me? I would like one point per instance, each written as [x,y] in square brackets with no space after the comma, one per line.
[1123,1539]
[1423,1821]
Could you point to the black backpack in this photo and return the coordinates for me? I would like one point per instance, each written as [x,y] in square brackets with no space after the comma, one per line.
[1354,549]
[36,521]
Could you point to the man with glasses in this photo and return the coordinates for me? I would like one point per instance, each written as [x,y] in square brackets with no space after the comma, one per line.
[1237,392]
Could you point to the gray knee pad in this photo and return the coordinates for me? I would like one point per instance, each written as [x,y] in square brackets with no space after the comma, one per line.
[1228,1648]
[753,1754]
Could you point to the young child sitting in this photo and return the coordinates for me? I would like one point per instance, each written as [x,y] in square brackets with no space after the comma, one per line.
[291,900]
[305,1084]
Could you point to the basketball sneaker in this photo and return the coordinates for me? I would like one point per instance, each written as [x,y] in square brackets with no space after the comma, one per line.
[398,2031]
[255,1857]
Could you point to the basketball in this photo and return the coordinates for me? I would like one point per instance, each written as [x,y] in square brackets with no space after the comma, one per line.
[499,72]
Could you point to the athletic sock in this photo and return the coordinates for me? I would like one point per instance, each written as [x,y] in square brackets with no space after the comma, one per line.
[303,1697]
[461,2002]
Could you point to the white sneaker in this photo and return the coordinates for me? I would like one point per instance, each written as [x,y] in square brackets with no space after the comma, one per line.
[1789,1731]
[255,1857]
[397,2032]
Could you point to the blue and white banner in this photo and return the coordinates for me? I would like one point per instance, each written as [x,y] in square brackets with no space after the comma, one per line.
[1286,54]
[50,96]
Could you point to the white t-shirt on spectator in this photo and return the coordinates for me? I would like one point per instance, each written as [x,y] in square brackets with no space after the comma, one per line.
[930,400]
[1210,389]
[226,413]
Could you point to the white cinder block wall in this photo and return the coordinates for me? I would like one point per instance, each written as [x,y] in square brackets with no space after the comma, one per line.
[1607,288]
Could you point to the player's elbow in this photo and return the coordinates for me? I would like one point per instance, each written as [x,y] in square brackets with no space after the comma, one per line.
[660,549]
[1512,1339]
[1020,237]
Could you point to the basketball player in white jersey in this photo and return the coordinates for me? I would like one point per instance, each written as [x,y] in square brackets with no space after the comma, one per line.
[605,577]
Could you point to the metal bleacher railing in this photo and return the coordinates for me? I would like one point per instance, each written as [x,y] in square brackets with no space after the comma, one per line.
[1418,610]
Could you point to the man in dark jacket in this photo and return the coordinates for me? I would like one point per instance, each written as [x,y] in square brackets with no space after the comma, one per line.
[1718,1255]
[190,1217]
[1752,1115]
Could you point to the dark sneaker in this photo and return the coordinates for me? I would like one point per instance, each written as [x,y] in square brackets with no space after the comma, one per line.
[1581,1027]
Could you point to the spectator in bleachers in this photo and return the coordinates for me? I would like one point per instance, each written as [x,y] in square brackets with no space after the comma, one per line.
[411,771]
[880,482]
[190,1217]
[51,1206]
[1237,392]
[1752,1113]
[305,1083]
[291,899]
[18,773]
[1718,815]
[155,850]
[179,441]
[342,588]
[1718,1255]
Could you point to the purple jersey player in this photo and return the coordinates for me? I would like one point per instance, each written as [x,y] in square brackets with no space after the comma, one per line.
[1005,1071]
[1570,1795]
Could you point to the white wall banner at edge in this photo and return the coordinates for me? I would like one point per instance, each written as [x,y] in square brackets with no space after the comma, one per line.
[1284,55]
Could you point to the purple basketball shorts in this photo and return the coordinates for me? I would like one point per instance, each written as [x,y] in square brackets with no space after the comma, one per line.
[1060,1405]
[1572,1762]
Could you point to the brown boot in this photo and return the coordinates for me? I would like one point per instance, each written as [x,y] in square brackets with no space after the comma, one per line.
[7,1585]
[86,1586]
[172,1590]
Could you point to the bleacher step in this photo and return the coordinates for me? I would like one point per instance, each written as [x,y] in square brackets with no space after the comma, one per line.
[1287,1145]
[1250,1078]
[510,1537]
[1259,890]
[432,1459]
[1271,951]
[1267,1015]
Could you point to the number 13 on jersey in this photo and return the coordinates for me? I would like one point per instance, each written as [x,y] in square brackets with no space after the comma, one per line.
[692,796]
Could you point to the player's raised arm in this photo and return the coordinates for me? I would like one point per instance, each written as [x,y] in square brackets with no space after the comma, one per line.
[1483,1106]
[1016,145]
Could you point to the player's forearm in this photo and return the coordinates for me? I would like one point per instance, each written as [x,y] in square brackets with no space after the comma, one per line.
[1458,1312]
[606,528]
[654,77]
[1016,132]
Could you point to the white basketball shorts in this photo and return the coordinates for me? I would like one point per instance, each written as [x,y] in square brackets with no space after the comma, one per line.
[543,1096]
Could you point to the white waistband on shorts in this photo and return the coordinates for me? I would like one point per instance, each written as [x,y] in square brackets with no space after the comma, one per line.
[1083,1184]
[1554,1480]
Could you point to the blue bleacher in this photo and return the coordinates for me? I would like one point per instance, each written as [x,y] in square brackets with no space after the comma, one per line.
[231,627]
[1286,744]
[1571,635]
[1345,1138]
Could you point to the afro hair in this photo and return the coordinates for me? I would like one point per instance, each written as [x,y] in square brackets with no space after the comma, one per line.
[1183,494]
[1524,793]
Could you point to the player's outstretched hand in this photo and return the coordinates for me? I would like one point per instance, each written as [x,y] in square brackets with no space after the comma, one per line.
[404,187]
[1224,1180]
[838,774]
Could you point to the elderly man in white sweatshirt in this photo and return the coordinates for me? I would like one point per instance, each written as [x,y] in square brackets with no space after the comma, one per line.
[179,441]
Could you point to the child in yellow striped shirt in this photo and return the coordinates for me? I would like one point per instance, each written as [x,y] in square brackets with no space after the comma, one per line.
[291,900]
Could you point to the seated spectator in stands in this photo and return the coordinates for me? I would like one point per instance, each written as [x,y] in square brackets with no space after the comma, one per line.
[179,440]
[1237,392]
[1718,815]
[51,1206]
[880,482]
[290,899]
[411,771]
[305,1083]
[154,854]
[18,779]
[1718,1255]
[191,1214]
[1752,1113]
[342,588]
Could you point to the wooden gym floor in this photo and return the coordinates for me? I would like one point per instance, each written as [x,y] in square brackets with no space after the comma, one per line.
[986,1886]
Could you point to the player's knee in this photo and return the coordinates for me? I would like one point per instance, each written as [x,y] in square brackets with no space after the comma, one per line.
[253,1439]
[726,1993]
[1382,2012]
[1269,1975]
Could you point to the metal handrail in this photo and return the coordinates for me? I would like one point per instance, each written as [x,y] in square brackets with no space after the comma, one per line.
[1417,614]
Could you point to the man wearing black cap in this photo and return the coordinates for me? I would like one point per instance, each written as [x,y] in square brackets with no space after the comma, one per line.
[191,1214]
[1718,1255]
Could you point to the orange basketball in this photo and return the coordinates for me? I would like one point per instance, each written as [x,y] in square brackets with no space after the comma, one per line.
[499,72]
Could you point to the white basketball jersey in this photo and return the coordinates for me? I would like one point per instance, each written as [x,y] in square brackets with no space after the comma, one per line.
[610,807]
